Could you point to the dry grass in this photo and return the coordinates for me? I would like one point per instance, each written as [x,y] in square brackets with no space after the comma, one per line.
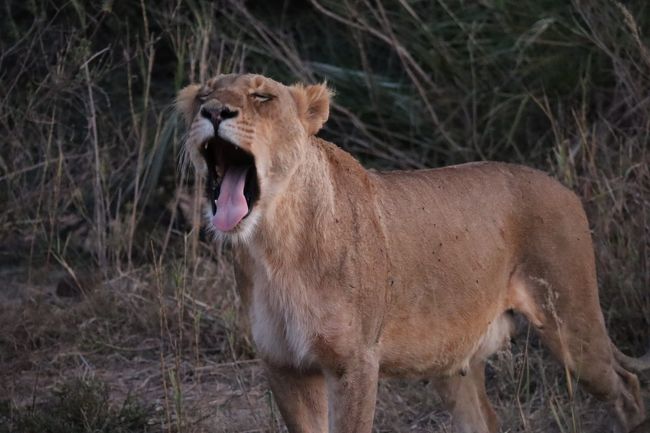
[107,275]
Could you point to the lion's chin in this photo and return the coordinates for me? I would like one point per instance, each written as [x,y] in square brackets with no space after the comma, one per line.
[241,234]
[232,184]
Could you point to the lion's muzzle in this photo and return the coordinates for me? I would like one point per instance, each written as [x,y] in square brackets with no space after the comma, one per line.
[232,186]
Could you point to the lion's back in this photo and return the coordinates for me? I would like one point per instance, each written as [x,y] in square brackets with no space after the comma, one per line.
[471,211]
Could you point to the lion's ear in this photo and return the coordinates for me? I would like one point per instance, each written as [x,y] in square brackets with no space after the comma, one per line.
[186,100]
[313,103]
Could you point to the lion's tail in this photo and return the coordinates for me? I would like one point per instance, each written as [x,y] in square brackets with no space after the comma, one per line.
[636,365]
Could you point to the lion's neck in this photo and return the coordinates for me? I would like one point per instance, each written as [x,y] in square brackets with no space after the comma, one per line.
[296,220]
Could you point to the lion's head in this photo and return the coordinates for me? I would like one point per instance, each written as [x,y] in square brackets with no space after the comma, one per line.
[246,133]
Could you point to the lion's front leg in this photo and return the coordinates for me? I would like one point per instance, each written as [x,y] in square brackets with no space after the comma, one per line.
[301,397]
[352,393]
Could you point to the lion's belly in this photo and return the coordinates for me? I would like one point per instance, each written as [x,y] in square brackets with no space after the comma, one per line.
[409,350]
[448,301]
[442,317]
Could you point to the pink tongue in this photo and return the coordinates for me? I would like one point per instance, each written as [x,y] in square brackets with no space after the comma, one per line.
[231,204]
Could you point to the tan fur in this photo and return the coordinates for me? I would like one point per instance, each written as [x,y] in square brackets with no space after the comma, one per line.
[350,274]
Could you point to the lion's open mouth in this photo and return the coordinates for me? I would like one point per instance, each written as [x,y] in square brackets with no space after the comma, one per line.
[232,186]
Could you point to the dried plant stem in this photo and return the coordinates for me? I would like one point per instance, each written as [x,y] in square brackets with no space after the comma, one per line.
[98,190]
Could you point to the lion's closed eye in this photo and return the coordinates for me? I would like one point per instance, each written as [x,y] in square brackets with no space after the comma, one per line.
[204,94]
[262,97]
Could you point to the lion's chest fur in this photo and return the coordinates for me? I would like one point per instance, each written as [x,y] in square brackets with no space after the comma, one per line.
[281,318]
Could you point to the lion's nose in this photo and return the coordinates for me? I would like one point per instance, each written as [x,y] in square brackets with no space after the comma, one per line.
[217,115]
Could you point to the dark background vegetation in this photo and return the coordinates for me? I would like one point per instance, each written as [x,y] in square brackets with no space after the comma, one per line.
[111,297]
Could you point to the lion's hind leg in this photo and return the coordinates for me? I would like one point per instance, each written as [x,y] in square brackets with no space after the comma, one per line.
[465,397]
[562,304]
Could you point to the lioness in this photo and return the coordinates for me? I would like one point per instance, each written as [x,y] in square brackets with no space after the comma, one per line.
[349,274]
